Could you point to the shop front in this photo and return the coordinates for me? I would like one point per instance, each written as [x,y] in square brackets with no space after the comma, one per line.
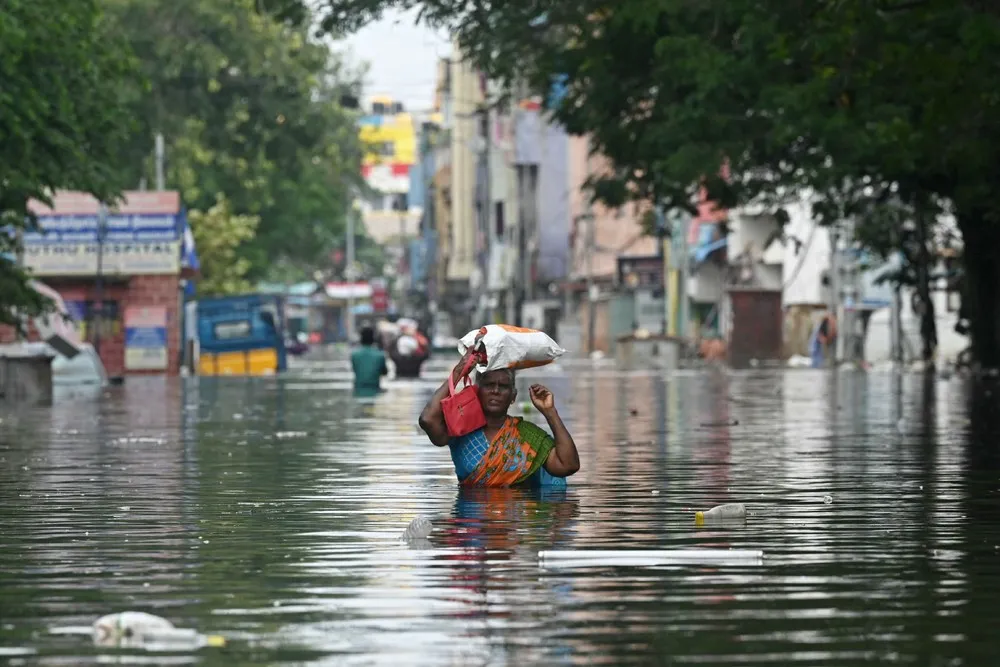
[119,273]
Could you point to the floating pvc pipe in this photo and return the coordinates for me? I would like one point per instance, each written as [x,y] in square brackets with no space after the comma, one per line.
[574,558]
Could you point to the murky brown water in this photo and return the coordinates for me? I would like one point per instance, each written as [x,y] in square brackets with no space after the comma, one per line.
[268,511]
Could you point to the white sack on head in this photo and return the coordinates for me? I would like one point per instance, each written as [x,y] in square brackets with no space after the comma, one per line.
[511,347]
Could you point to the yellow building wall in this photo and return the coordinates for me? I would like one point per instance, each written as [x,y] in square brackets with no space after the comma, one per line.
[396,129]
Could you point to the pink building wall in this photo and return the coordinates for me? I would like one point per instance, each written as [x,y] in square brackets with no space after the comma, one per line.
[619,231]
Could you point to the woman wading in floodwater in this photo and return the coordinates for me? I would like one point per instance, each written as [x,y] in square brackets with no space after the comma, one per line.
[508,451]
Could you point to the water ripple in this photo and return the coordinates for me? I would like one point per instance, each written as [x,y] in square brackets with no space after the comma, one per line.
[270,511]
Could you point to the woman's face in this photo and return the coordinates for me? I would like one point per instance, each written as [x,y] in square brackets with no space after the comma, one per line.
[496,392]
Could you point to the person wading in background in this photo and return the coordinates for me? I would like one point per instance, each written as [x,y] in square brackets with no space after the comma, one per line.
[368,364]
[823,339]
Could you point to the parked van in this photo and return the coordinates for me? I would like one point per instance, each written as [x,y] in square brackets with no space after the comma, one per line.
[240,335]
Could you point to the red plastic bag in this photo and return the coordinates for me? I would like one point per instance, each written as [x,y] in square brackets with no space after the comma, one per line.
[463,413]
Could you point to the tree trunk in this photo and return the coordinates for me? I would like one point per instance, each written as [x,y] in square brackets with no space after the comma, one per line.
[928,323]
[981,296]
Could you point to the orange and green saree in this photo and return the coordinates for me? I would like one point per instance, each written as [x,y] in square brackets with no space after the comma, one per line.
[515,456]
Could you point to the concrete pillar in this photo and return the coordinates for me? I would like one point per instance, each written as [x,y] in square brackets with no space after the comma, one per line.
[25,375]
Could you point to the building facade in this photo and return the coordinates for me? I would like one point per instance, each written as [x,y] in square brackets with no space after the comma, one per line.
[389,135]
[119,272]
[466,97]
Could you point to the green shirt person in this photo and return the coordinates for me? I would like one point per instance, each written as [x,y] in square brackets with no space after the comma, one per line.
[368,363]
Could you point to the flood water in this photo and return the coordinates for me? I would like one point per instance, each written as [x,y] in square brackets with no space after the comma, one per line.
[269,510]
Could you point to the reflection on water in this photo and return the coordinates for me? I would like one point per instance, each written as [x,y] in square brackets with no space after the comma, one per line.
[269,510]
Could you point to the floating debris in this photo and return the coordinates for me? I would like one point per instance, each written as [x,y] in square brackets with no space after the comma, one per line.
[419,529]
[285,435]
[731,512]
[585,558]
[138,440]
[137,629]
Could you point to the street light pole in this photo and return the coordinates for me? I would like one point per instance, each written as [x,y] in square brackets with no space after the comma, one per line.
[349,275]
[685,276]
[588,216]
[835,296]
[102,221]
[160,153]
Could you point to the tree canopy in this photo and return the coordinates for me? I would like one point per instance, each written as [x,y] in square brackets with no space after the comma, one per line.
[249,106]
[248,100]
[218,234]
[857,102]
[63,119]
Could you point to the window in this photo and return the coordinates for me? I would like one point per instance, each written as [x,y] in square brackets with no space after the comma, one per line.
[232,330]
[499,219]
[90,319]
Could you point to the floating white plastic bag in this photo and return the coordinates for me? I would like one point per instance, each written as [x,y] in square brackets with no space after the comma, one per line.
[511,347]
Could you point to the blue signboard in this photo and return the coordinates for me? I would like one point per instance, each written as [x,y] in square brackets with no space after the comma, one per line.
[139,235]
[146,338]
[135,228]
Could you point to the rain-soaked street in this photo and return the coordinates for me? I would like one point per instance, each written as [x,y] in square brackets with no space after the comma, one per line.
[269,511]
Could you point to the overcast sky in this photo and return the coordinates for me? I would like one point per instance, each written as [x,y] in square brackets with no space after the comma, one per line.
[402,58]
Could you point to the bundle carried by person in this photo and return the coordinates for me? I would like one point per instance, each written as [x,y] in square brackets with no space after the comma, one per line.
[409,350]
[499,346]
[490,348]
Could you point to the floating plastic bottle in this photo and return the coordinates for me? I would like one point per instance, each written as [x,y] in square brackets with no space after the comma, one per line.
[721,513]
[131,629]
[419,529]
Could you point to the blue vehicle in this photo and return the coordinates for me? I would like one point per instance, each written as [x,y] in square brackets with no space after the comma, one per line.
[241,335]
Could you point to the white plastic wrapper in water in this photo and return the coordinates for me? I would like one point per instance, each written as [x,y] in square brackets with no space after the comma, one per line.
[511,347]
[135,629]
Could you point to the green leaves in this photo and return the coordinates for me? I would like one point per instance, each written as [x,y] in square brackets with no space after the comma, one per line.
[64,121]
[249,107]
[218,235]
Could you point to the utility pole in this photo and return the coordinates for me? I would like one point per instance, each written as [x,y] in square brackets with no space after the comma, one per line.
[896,320]
[522,238]
[160,153]
[349,275]
[668,297]
[845,318]
[487,196]
[400,204]
[848,338]
[102,221]
[428,232]
[857,351]
[404,260]
[591,247]
[684,223]
[835,310]
[484,198]
[896,305]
